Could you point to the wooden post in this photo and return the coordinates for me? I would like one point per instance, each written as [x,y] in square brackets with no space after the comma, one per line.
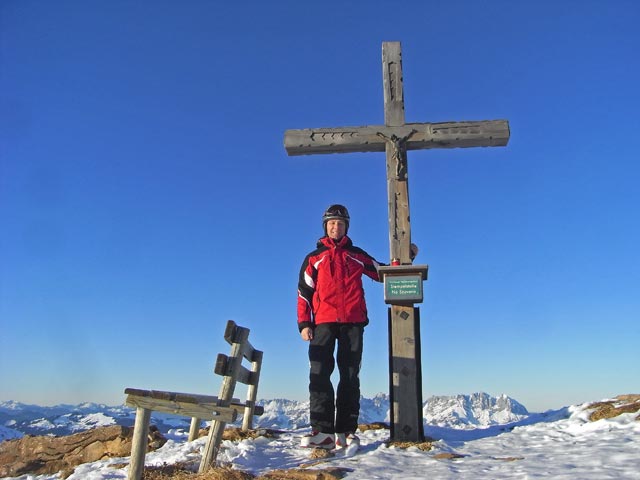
[139,443]
[252,390]
[194,428]
[406,398]
[237,336]
[395,138]
[405,379]
[396,154]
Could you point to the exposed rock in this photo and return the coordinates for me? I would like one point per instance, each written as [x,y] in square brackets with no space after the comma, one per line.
[46,455]
[629,397]
[629,403]
[302,474]
[448,456]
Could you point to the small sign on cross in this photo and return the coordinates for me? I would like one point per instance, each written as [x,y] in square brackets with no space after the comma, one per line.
[403,283]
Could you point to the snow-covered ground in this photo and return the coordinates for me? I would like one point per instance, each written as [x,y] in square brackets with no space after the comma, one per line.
[556,444]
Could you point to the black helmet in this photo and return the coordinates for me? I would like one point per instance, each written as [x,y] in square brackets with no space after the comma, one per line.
[334,212]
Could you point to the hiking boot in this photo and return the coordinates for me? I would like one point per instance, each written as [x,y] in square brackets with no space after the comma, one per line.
[343,440]
[318,440]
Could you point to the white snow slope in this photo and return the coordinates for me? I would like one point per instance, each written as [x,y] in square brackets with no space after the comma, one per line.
[560,444]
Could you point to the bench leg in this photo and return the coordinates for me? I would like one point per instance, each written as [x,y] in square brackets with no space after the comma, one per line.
[252,391]
[193,430]
[139,443]
[213,445]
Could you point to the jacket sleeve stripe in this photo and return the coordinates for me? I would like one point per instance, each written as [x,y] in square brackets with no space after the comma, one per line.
[309,280]
[315,265]
[356,260]
[301,297]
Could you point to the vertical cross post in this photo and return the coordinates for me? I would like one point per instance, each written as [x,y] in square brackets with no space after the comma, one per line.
[405,383]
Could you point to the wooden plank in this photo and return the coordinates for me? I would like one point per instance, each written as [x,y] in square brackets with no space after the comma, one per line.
[464,134]
[173,396]
[256,356]
[234,333]
[186,398]
[248,351]
[224,367]
[139,443]
[229,331]
[204,410]
[258,409]
[243,375]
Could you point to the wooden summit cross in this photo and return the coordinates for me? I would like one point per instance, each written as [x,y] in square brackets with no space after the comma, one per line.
[395,137]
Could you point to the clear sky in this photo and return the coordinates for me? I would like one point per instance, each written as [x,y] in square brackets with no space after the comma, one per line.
[146,197]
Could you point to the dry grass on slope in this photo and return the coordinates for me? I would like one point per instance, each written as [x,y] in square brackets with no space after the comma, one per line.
[178,472]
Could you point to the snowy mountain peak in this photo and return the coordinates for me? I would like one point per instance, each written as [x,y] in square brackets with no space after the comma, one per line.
[477,409]
[460,412]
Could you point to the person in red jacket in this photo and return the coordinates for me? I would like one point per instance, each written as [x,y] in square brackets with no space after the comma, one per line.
[332,309]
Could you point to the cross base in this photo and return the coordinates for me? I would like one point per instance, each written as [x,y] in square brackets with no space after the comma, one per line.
[405,374]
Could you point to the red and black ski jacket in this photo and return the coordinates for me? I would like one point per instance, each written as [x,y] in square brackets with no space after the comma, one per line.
[330,283]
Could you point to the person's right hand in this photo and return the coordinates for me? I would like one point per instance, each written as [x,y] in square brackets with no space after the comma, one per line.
[306,334]
[413,251]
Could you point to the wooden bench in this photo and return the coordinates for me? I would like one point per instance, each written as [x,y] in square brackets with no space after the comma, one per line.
[219,410]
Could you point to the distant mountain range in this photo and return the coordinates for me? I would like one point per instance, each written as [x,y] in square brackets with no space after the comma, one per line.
[461,411]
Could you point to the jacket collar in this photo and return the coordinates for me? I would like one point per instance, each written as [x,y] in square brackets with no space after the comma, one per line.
[329,243]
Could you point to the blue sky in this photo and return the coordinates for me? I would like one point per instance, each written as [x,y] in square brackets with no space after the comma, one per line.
[146,197]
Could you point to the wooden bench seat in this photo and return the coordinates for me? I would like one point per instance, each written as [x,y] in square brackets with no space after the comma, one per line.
[206,407]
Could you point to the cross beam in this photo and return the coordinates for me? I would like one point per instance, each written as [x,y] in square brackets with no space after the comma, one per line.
[395,138]
[487,133]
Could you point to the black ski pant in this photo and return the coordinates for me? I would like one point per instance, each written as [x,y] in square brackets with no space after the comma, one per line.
[330,413]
